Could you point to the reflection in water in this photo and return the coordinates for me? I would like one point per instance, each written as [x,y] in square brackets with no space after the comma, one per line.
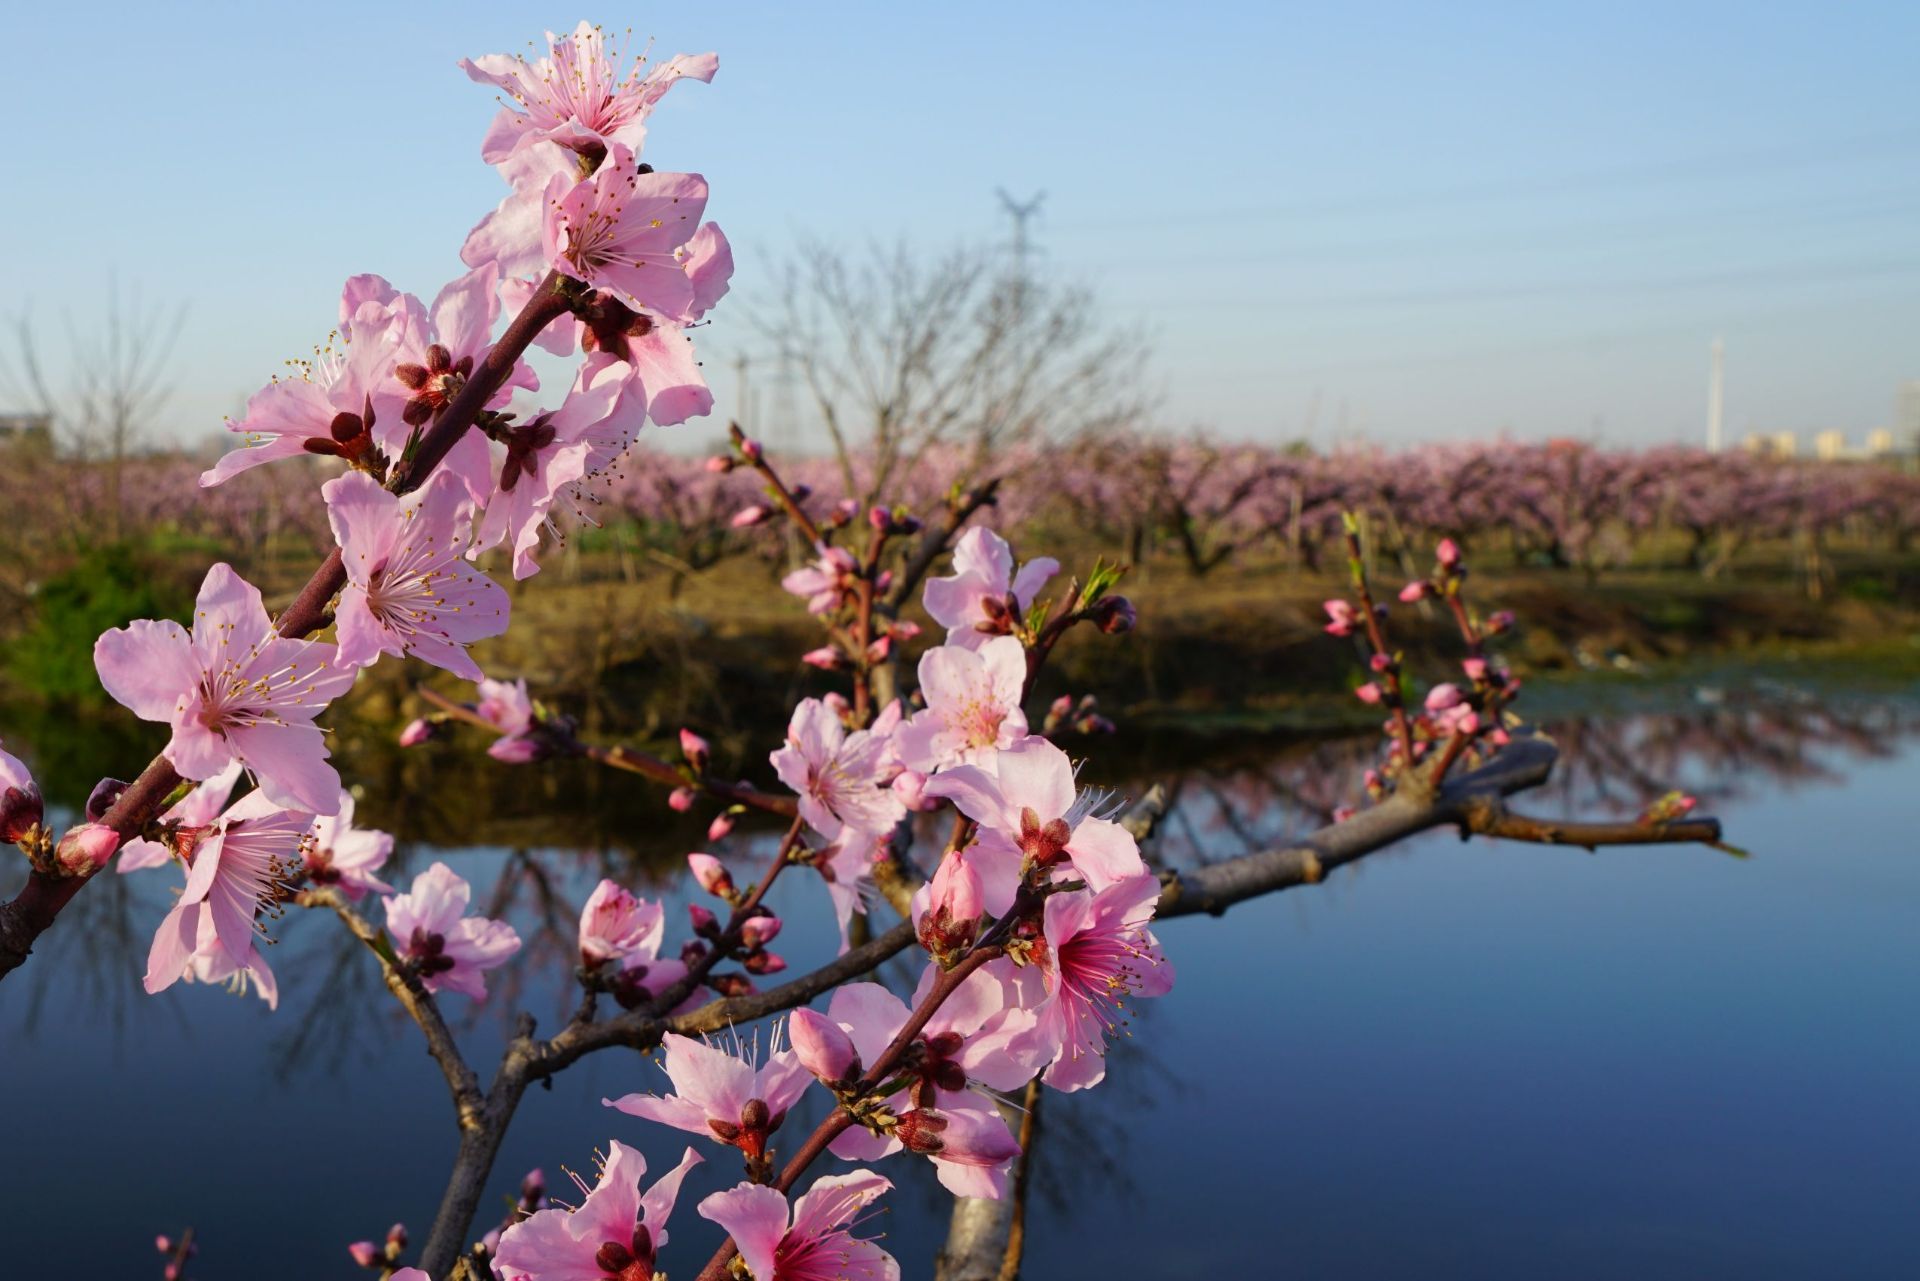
[534,841]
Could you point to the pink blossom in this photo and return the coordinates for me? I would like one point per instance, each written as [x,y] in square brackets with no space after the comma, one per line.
[416,731]
[450,950]
[1032,818]
[616,1231]
[696,750]
[979,1034]
[842,778]
[758,931]
[1475,668]
[1416,590]
[512,238]
[199,808]
[720,827]
[1369,693]
[409,591]
[847,868]
[616,924]
[973,705]
[823,1046]
[711,874]
[577,96]
[327,409]
[514,751]
[552,452]
[812,1242]
[508,707]
[1443,696]
[410,1274]
[232,690]
[338,853]
[21,806]
[366,1254]
[826,658]
[826,582]
[910,786]
[749,516]
[681,799]
[979,599]
[723,1090]
[1342,617]
[236,866]
[621,230]
[947,911]
[1099,952]
[1447,553]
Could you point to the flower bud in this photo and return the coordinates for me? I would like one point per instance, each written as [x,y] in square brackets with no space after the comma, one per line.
[417,731]
[1443,696]
[1341,617]
[705,924]
[1115,615]
[1416,590]
[758,931]
[21,807]
[902,629]
[883,582]
[909,788]
[1448,553]
[1475,668]
[749,516]
[750,449]
[764,963]
[397,1237]
[731,984]
[695,749]
[1341,813]
[719,464]
[681,799]
[826,658]
[533,1188]
[823,1046]
[718,829]
[102,798]
[800,494]
[880,648]
[163,1243]
[1379,662]
[950,919]
[712,874]
[1369,693]
[86,849]
[366,1254]
[1499,621]
[1061,708]
[880,519]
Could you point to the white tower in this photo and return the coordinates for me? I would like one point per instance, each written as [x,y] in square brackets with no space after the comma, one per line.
[1716,395]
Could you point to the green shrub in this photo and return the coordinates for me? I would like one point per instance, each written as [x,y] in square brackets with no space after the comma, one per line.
[108,587]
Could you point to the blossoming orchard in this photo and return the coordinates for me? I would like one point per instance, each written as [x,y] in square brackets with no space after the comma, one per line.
[932,797]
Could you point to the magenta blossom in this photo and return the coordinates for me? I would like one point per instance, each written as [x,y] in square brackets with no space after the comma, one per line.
[615,1232]
[21,807]
[813,1241]
[236,866]
[551,453]
[578,95]
[842,778]
[233,690]
[984,597]
[616,924]
[450,950]
[409,590]
[826,582]
[340,854]
[1032,819]
[973,705]
[1099,952]
[724,1091]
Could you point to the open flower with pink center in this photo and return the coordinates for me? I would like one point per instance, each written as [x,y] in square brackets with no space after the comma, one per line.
[21,806]
[615,923]
[826,582]
[842,778]
[339,854]
[552,452]
[622,230]
[973,706]
[430,353]
[199,808]
[507,706]
[1099,953]
[1032,819]
[237,866]
[616,1231]
[327,406]
[450,950]
[983,597]
[409,588]
[584,95]
[232,689]
[979,1035]
[724,1090]
[812,1242]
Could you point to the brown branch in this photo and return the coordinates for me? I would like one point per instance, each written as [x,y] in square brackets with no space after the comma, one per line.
[1489,816]
[935,540]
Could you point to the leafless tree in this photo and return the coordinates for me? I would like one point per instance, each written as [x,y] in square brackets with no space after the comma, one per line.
[901,352]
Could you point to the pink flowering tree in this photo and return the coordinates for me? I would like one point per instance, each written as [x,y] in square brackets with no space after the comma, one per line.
[923,784]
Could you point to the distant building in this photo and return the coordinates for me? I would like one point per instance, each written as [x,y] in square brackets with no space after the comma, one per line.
[1906,415]
[26,431]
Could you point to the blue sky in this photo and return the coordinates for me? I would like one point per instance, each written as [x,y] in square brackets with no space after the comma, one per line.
[1403,221]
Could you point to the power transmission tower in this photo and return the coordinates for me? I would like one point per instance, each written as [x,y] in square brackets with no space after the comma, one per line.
[1022,213]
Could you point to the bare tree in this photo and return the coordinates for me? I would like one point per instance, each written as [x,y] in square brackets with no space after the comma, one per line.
[902,353]
[115,385]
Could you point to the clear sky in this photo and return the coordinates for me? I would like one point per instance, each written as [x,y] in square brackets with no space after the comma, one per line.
[1416,221]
